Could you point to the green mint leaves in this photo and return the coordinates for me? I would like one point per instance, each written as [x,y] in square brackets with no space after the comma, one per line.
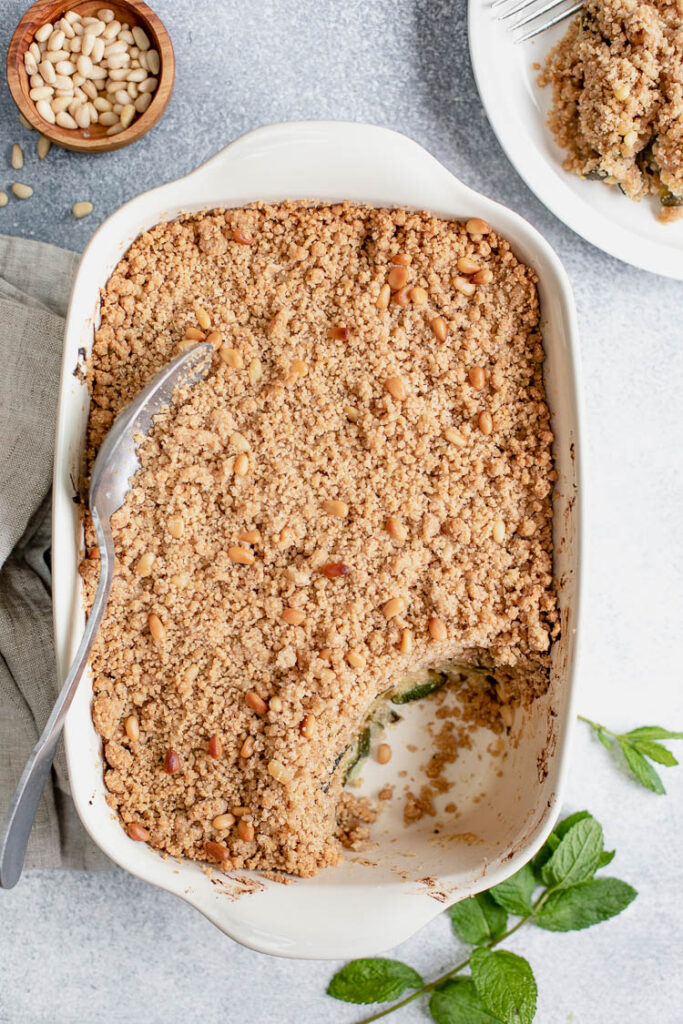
[639,747]
[373,980]
[557,891]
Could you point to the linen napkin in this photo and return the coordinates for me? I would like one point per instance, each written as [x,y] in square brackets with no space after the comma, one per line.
[35,281]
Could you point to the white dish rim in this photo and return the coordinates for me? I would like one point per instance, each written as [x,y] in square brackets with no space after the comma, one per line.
[327,141]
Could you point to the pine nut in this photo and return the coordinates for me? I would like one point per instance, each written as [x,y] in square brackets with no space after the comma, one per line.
[153,62]
[171,762]
[384,297]
[245,831]
[406,642]
[279,772]
[203,318]
[334,569]
[175,526]
[195,334]
[145,563]
[255,370]
[17,157]
[396,529]
[476,226]
[247,748]
[256,703]
[241,466]
[30,63]
[242,236]
[393,607]
[485,422]
[483,277]
[477,377]
[498,531]
[45,111]
[250,536]
[137,832]
[275,704]
[156,628]
[466,265]
[34,50]
[108,117]
[47,72]
[308,726]
[127,114]
[293,617]
[455,436]
[106,15]
[65,67]
[44,32]
[141,38]
[465,287]
[439,328]
[401,297]
[437,629]
[241,555]
[217,851]
[397,278]
[339,333]
[351,413]
[4,199]
[401,259]
[56,40]
[222,822]
[355,659]
[336,508]
[22,191]
[43,92]
[384,753]
[215,744]
[26,124]
[132,727]
[396,387]
[418,296]
[65,120]
[232,357]
[297,368]
[61,103]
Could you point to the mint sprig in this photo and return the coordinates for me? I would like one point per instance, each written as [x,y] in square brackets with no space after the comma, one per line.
[639,748]
[557,891]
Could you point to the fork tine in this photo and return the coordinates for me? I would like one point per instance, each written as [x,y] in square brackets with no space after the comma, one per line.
[520,6]
[550,6]
[498,3]
[549,24]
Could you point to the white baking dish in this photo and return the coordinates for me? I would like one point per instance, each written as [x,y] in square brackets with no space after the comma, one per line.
[374,900]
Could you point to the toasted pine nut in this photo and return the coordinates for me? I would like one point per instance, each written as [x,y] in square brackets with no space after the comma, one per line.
[466,265]
[256,703]
[439,328]
[241,555]
[223,821]
[484,276]
[293,617]
[397,278]
[245,831]
[217,851]
[297,368]
[406,642]
[333,569]
[255,370]
[242,236]
[250,537]
[279,772]
[351,413]
[308,726]
[476,226]
[275,704]
[145,563]
[215,747]
[137,832]
[339,333]
[396,529]
[335,508]
[241,465]
[175,526]
[384,297]
[384,753]
[203,318]
[477,377]
[195,334]
[171,762]
[132,727]
[401,259]
[418,296]
[401,297]
[454,436]
[461,284]
[485,422]
[393,607]
[355,659]
[396,387]
[215,339]
[232,357]
[498,531]
[437,629]
[247,748]
[156,628]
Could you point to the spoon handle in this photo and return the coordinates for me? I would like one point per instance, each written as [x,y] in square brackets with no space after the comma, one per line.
[24,806]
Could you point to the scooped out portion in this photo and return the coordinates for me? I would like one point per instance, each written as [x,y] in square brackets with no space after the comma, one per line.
[352,507]
[617,80]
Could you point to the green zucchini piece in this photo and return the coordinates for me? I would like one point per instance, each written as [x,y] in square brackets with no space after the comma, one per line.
[420,690]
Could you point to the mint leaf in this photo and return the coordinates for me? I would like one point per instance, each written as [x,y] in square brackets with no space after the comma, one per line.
[478,920]
[373,980]
[563,826]
[652,732]
[553,840]
[457,1002]
[505,984]
[585,904]
[514,894]
[604,739]
[606,857]
[576,858]
[641,768]
[656,752]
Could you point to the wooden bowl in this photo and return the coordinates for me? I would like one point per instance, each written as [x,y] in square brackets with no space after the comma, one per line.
[93,139]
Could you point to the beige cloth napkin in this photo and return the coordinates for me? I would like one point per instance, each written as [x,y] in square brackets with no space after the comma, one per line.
[35,281]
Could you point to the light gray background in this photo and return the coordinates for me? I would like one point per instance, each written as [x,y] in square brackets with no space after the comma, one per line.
[76,947]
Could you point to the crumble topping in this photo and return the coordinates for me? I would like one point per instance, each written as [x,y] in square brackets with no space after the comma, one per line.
[360,490]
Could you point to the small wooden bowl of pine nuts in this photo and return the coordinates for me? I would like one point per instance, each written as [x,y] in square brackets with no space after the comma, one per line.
[76,98]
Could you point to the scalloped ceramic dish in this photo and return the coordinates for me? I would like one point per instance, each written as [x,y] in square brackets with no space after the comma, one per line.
[507,804]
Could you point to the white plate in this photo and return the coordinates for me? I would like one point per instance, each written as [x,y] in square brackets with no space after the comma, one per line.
[371,901]
[517,110]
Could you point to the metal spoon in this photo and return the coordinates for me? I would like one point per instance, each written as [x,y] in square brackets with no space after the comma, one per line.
[115,464]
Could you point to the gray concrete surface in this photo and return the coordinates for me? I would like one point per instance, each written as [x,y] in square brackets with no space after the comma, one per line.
[78,947]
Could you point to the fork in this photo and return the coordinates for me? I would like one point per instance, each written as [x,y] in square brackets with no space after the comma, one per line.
[525,12]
